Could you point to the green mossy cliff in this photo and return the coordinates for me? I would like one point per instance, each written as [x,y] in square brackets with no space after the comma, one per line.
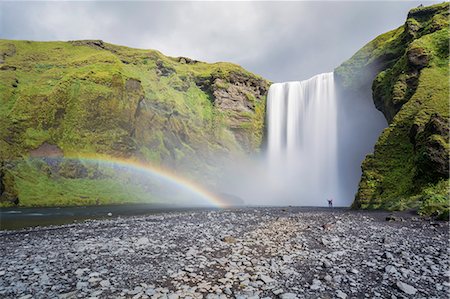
[408,71]
[64,99]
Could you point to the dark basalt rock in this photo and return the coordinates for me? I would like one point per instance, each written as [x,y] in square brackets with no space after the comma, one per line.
[2,186]
[186,60]
[424,12]
[72,169]
[7,68]
[46,150]
[5,52]
[99,44]
[431,145]
[393,218]
[418,58]
[8,192]
[133,85]
[163,70]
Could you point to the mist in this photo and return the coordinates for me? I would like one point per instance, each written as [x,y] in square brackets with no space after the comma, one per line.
[333,131]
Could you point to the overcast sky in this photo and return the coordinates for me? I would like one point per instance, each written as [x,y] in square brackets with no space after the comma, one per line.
[280,41]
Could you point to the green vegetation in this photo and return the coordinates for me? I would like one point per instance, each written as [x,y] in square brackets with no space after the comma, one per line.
[37,186]
[91,97]
[409,69]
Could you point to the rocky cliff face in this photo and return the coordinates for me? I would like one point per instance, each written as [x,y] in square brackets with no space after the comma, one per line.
[91,97]
[408,71]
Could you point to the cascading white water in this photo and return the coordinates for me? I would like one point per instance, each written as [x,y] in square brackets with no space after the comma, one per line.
[302,139]
[317,137]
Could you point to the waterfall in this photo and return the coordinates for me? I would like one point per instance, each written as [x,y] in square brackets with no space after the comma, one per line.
[316,138]
[302,139]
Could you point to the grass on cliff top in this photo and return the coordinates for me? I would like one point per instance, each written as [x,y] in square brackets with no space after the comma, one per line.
[354,71]
[388,47]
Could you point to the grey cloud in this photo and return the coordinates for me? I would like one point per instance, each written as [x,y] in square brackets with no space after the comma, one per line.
[280,41]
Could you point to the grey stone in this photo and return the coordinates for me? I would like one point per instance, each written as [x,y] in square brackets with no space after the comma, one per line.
[105,283]
[142,241]
[69,295]
[406,288]
[390,269]
[267,279]
[288,296]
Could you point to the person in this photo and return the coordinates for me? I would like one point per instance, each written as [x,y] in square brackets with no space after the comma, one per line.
[330,203]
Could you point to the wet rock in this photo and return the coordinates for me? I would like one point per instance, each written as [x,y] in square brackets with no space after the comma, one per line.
[393,218]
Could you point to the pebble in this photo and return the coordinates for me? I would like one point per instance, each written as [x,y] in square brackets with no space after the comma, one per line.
[316,284]
[288,296]
[142,241]
[341,294]
[266,279]
[218,254]
[408,289]
[105,283]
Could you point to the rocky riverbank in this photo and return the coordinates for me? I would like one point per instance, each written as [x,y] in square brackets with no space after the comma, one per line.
[240,253]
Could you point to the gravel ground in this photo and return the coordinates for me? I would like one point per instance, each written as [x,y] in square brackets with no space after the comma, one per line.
[239,253]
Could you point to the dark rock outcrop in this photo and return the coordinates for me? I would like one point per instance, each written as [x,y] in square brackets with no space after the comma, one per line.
[7,50]
[97,44]
[163,69]
[72,169]
[2,186]
[418,58]
[46,150]
[432,149]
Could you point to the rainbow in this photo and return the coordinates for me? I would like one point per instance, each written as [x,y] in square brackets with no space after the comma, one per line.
[158,172]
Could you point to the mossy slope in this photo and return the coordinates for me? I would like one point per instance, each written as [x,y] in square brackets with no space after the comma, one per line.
[91,97]
[408,70]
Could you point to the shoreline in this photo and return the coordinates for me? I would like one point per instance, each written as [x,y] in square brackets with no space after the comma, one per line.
[28,218]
